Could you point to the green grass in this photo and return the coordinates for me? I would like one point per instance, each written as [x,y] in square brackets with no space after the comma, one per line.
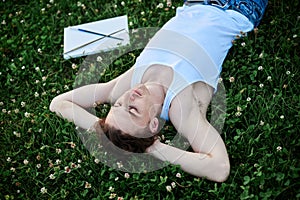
[35,145]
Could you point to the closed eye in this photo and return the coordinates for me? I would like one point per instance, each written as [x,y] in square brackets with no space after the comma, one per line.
[117,104]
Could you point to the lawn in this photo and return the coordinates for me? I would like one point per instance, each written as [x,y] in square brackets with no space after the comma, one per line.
[42,157]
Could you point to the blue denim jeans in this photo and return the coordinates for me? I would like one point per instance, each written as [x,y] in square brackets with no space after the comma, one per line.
[252,9]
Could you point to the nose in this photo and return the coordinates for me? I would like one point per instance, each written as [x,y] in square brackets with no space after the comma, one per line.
[133,95]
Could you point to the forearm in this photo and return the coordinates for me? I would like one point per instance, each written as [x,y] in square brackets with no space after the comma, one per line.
[197,164]
[84,96]
[74,113]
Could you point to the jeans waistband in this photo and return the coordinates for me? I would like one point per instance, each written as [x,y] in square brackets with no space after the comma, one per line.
[252,9]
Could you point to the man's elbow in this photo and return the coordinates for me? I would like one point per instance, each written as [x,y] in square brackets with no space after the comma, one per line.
[57,105]
[53,107]
[222,172]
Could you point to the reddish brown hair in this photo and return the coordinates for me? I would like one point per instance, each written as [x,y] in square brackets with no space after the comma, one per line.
[124,140]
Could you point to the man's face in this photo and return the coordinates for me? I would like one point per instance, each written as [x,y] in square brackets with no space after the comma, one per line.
[133,111]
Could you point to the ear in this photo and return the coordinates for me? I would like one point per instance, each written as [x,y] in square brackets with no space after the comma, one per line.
[153,125]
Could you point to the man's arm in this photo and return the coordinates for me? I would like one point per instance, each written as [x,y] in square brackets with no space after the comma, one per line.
[209,158]
[212,167]
[71,105]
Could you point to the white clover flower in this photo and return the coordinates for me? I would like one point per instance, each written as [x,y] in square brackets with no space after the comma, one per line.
[73,145]
[248,99]
[73,165]
[1,103]
[8,159]
[99,58]
[57,161]
[169,3]
[288,72]
[238,114]
[142,13]
[39,50]
[160,5]
[25,162]
[111,189]
[261,85]
[112,196]
[169,188]
[269,78]
[38,166]
[261,123]
[23,104]
[279,148]
[17,134]
[36,94]
[74,66]
[220,80]
[243,44]
[23,67]
[51,1]
[260,68]
[178,175]
[58,151]
[3,22]
[43,190]
[117,178]
[130,23]
[231,79]
[87,185]
[4,110]
[173,184]
[67,169]
[12,169]
[281,116]
[27,114]
[96,160]
[239,108]
[126,175]
[119,164]
[123,3]
[51,176]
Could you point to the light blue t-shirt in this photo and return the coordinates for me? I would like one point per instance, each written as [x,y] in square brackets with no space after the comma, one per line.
[194,44]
